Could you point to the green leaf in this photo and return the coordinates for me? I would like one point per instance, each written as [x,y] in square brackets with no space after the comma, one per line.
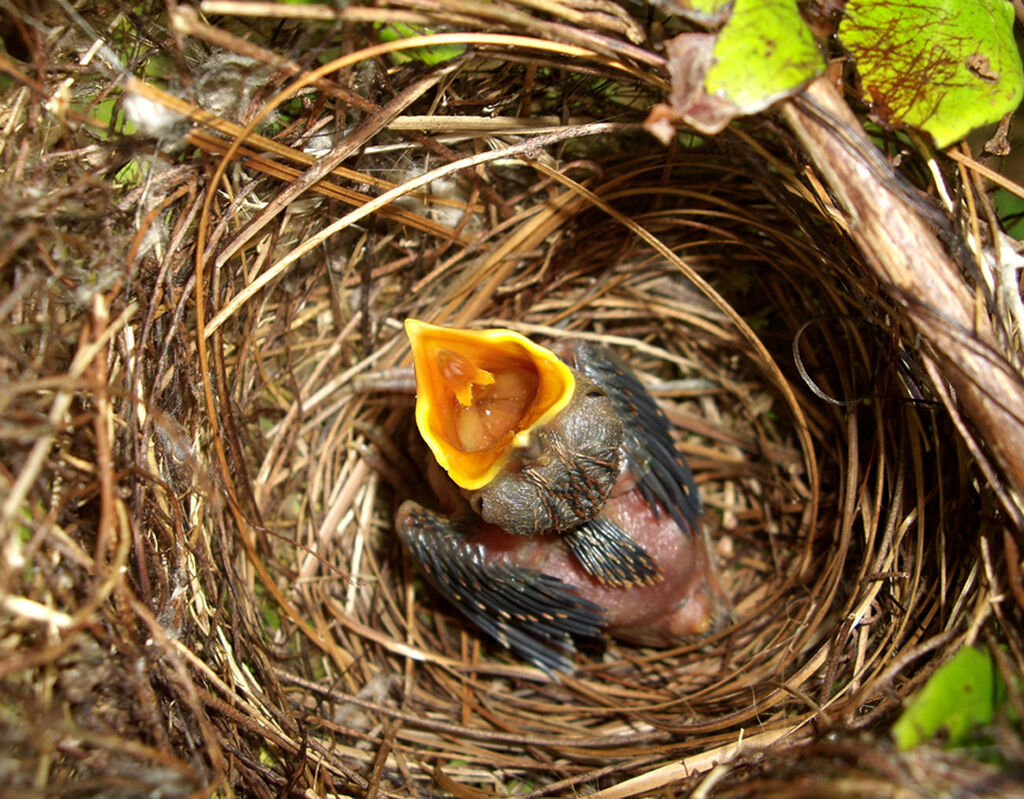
[1010,208]
[430,56]
[104,111]
[961,695]
[764,52]
[943,66]
[129,175]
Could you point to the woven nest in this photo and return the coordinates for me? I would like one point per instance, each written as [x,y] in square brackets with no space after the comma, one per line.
[202,587]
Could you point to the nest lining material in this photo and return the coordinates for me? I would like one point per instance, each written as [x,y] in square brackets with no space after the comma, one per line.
[248,616]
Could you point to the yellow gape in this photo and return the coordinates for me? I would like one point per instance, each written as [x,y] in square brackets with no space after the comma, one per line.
[480,393]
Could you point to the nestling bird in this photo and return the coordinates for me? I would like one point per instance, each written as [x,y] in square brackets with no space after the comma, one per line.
[566,509]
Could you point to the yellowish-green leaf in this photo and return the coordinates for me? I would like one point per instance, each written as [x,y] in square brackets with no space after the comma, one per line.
[943,66]
[436,54]
[129,175]
[765,52]
[959,696]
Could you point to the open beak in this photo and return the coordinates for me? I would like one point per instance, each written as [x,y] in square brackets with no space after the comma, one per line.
[480,393]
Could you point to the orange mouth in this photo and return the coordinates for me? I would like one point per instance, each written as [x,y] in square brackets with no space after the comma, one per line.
[480,393]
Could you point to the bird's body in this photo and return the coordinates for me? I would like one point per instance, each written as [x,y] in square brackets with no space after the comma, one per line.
[587,522]
[661,612]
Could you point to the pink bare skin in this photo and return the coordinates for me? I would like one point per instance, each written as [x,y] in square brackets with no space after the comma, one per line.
[688,600]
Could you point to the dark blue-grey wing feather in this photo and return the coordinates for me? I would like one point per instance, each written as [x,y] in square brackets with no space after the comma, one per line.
[611,555]
[533,614]
[660,471]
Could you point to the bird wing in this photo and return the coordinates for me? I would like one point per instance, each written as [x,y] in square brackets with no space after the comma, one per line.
[610,555]
[659,470]
[533,614]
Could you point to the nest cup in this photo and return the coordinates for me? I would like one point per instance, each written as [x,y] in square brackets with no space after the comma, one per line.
[815,459]
[252,622]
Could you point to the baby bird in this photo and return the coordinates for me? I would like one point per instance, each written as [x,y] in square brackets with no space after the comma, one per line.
[566,510]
